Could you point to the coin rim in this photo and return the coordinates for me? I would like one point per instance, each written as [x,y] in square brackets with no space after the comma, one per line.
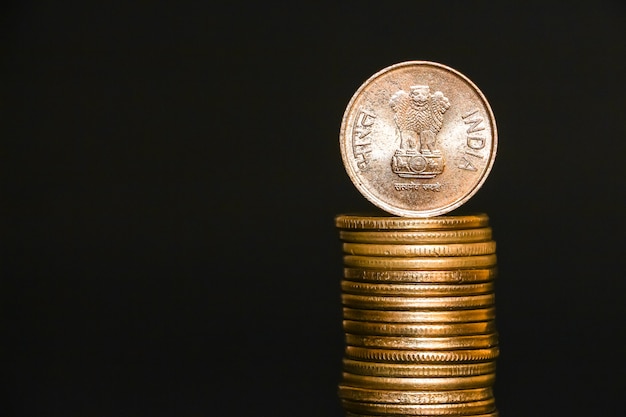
[494,413]
[413,397]
[415,370]
[475,341]
[415,290]
[422,356]
[385,205]
[443,409]
[477,234]
[419,329]
[407,250]
[445,303]
[359,221]
[429,383]
[417,276]
[420,316]
[445,263]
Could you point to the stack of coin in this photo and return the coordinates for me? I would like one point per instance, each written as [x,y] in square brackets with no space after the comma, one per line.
[419,316]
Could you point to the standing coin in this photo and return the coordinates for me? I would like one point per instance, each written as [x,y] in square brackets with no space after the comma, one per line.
[418,139]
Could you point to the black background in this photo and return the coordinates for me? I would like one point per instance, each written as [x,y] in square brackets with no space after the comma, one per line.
[171,172]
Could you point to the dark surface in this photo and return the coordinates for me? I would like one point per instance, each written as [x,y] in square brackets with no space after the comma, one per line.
[171,172]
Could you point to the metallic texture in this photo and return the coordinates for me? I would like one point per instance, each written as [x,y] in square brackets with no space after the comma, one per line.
[455,276]
[363,222]
[421,329]
[425,383]
[377,302]
[418,139]
[447,409]
[350,414]
[481,341]
[422,356]
[445,249]
[408,237]
[413,290]
[414,397]
[435,263]
[417,370]
[419,316]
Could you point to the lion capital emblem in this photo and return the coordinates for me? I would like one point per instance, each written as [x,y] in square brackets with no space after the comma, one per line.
[418,116]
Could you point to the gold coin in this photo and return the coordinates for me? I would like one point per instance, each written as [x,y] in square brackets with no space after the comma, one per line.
[418,139]
[443,263]
[437,383]
[361,222]
[453,316]
[422,356]
[350,414]
[445,249]
[414,397]
[481,341]
[454,409]
[417,370]
[418,303]
[412,237]
[420,290]
[458,276]
[426,330]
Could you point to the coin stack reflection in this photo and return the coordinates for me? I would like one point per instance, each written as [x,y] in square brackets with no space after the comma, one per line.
[419,316]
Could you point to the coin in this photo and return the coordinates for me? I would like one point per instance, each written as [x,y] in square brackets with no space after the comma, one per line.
[441,263]
[481,341]
[414,397]
[416,316]
[422,356]
[417,369]
[415,236]
[436,383]
[454,409]
[491,414]
[363,222]
[421,290]
[421,329]
[444,249]
[457,276]
[418,139]
[374,302]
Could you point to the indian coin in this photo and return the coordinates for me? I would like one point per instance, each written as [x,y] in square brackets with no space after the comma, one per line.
[414,397]
[435,263]
[454,409]
[417,316]
[482,341]
[458,276]
[491,414]
[374,302]
[417,369]
[444,249]
[423,330]
[415,236]
[436,383]
[363,222]
[422,356]
[418,139]
[419,290]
